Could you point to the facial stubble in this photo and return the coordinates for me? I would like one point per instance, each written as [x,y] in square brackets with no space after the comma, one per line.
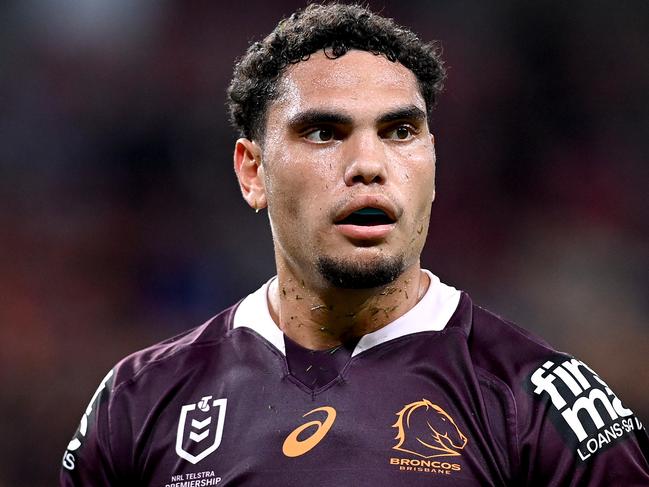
[347,274]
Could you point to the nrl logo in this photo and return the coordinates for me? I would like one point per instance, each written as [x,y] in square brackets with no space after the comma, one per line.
[426,430]
[200,428]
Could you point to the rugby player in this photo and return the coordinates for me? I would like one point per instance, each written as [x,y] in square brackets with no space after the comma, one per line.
[353,366]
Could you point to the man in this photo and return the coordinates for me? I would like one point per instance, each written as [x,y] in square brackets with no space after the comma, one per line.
[353,365]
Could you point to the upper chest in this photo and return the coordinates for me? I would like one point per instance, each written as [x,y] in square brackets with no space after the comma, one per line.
[406,413]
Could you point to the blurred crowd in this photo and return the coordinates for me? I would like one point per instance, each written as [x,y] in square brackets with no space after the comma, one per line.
[121,223]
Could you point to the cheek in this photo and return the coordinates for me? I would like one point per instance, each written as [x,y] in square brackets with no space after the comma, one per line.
[419,179]
[288,208]
[283,200]
[290,198]
[300,181]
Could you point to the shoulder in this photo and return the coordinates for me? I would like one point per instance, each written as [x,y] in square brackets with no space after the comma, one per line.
[102,447]
[175,350]
[504,348]
[505,357]
[568,423]
[498,347]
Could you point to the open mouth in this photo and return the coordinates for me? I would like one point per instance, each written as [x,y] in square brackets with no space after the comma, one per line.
[367,217]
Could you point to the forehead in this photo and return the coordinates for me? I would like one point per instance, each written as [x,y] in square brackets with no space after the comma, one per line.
[358,82]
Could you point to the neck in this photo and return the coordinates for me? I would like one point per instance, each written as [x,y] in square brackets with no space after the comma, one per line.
[319,318]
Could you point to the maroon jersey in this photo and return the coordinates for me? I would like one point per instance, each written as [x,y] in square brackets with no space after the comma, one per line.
[448,394]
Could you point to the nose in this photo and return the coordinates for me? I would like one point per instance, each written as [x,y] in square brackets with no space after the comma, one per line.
[366,158]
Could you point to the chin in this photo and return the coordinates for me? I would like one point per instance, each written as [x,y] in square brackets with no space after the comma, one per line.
[358,273]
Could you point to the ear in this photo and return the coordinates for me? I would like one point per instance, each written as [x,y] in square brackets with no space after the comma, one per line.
[432,141]
[250,173]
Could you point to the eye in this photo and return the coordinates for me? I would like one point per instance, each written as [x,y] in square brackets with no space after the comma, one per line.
[320,135]
[400,132]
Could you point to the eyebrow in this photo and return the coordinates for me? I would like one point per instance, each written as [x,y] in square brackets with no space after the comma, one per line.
[410,112]
[319,117]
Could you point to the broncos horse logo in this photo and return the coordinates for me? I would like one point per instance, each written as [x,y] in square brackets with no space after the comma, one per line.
[426,430]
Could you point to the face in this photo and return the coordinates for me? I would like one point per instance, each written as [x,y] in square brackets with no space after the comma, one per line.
[348,169]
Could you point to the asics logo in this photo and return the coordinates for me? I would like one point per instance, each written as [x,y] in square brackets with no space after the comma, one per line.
[294,447]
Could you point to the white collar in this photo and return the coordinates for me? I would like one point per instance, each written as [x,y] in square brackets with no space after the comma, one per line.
[431,313]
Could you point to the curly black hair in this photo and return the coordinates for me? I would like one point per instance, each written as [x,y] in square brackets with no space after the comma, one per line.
[334,28]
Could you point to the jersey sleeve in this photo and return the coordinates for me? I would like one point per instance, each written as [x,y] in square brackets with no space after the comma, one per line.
[88,457]
[574,431]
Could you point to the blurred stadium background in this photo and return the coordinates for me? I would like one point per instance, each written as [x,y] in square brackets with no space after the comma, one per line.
[121,223]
